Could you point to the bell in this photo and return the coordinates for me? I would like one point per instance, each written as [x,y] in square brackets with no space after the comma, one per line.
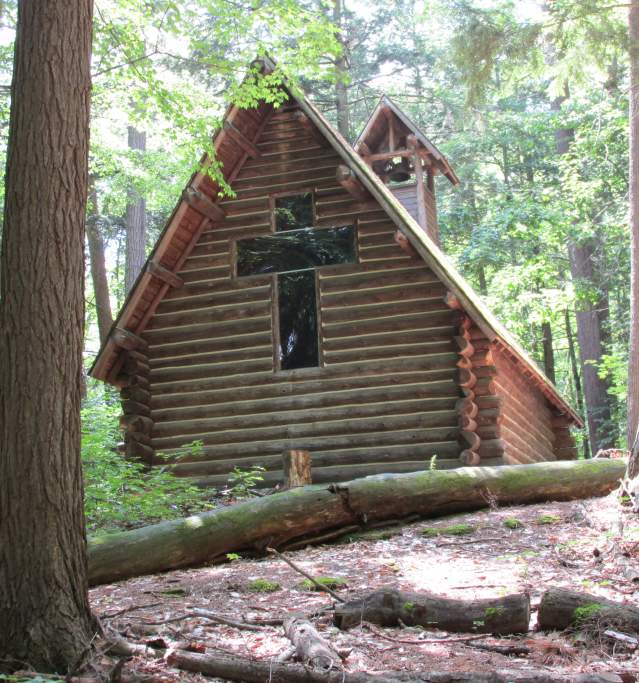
[399,172]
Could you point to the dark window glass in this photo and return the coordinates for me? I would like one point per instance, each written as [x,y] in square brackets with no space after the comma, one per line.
[299,346]
[294,211]
[296,250]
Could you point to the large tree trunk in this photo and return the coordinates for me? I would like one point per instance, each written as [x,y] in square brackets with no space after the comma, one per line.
[44,608]
[98,266]
[633,365]
[305,512]
[341,73]
[549,354]
[589,333]
[135,221]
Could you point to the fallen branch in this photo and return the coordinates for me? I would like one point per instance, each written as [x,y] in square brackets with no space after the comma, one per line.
[421,641]
[389,607]
[291,515]
[312,579]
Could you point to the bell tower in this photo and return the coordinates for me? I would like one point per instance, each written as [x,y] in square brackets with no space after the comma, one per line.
[406,160]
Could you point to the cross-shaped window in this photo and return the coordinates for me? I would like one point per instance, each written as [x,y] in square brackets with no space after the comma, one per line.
[293,253]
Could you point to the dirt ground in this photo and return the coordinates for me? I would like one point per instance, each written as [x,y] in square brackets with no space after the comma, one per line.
[585,545]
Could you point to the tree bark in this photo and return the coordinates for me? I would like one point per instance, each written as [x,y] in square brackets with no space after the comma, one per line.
[44,608]
[388,607]
[305,512]
[341,73]
[589,333]
[135,220]
[549,355]
[561,608]
[98,266]
[633,362]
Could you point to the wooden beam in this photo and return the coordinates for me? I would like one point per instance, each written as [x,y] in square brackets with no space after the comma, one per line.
[239,137]
[346,178]
[202,204]
[127,340]
[161,273]
[420,185]
[381,156]
[310,128]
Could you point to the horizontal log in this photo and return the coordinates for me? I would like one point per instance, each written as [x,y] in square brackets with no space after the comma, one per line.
[135,366]
[489,432]
[371,353]
[124,339]
[134,450]
[126,380]
[286,516]
[224,445]
[560,609]
[390,607]
[469,440]
[164,274]
[130,407]
[469,458]
[136,393]
[492,448]
[434,336]
[375,295]
[489,402]
[238,137]
[389,323]
[326,463]
[382,310]
[136,423]
[203,205]
[199,331]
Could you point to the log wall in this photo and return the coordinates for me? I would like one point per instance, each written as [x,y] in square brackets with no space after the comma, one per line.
[385,398]
[527,418]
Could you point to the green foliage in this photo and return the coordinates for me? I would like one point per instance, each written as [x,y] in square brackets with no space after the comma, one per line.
[432,465]
[454,530]
[242,481]
[332,582]
[587,613]
[263,586]
[547,519]
[120,494]
[513,523]
[233,557]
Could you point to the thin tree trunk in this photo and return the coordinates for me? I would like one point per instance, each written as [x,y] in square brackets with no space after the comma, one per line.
[633,364]
[135,221]
[341,73]
[574,366]
[549,355]
[44,608]
[98,266]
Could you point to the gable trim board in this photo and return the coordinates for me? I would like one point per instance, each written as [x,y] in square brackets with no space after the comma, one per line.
[169,253]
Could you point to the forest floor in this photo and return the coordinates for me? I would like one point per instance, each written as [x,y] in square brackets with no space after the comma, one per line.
[574,545]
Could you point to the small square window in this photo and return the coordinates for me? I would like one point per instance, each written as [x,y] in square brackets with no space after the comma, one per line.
[294,211]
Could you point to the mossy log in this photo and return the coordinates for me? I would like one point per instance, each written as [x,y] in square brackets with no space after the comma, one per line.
[560,609]
[309,510]
[390,607]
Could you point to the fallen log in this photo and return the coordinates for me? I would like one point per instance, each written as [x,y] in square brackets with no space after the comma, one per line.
[308,510]
[390,607]
[236,668]
[561,608]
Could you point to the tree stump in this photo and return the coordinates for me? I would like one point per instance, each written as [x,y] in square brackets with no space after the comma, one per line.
[297,468]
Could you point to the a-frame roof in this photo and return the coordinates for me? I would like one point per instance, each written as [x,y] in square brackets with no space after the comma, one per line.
[376,126]
[232,145]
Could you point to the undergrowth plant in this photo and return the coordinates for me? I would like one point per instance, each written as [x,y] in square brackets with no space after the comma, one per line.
[120,494]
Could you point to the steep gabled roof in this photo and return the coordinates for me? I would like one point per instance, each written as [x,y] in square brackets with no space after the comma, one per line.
[376,125]
[186,223]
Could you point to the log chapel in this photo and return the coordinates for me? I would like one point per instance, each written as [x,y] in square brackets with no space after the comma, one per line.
[314,310]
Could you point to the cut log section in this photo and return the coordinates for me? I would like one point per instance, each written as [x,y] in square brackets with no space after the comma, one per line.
[390,607]
[297,469]
[308,511]
[561,608]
